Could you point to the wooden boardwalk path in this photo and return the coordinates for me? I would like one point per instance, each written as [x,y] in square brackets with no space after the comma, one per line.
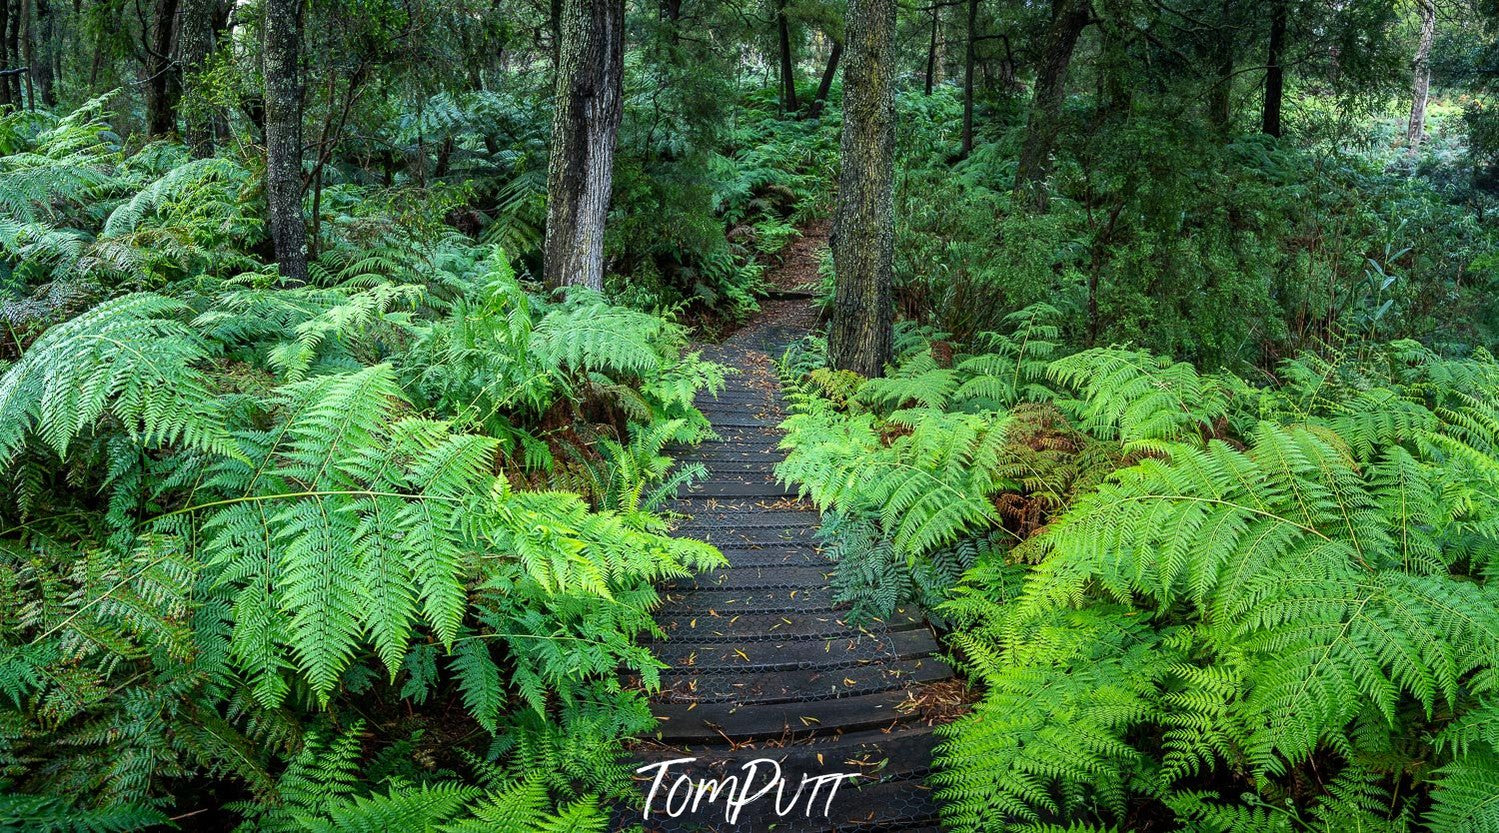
[761,661]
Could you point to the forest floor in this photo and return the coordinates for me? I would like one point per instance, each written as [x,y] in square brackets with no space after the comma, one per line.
[761,662]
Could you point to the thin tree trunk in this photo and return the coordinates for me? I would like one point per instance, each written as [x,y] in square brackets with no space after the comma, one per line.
[1415,132]
[968,55]
[825,87]
[587,109]
[788,64]
[195,42]
[162,87]
[1068,17]
[863,237]
[1275,70]
[45,68]
[283,137]
[5,54]
[931,54]
[13,44]
[27,54]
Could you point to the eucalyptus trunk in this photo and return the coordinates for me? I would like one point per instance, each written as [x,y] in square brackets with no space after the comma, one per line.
[588,106]
[1415,132]
[1044,124]
[863,238]
[283,137]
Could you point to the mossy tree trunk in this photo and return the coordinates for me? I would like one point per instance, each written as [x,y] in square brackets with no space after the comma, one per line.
[1044,124]
[863,236]
[585,125]
[195,40]
[283,137]
[13,50]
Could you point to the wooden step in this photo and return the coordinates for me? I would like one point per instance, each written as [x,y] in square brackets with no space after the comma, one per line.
[798,685]
[741,578]
[750,628]
[682,722]
[683,654]
[730,602]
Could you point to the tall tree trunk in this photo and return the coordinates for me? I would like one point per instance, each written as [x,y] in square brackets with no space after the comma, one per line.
[5,54]
[195,42]
[1275,70]
[13,45]
[162,86]
[1220,101]
[283,137]
[825,86]
[585,123]
[45,68]
[788,64]
[931,54]
[28,55]
[863,238]
[1068,17]
[1415,132]
[968,55]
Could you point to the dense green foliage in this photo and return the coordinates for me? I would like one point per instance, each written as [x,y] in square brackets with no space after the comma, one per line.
[1250,607]
[233,508]
[1191,445]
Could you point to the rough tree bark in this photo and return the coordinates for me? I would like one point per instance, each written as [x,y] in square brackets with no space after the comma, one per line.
[1275,70]
[283,137]
[161,82]
[863,237]
[1068,18]
[825,86]
[585,124]
[195,41]
[968,56]
[788,63]
[1415,132]
[13,48]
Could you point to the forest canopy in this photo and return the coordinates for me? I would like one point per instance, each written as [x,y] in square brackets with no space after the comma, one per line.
[351,347]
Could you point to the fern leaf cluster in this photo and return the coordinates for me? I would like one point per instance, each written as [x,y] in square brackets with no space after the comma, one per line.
[1227,605]
[237,514]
